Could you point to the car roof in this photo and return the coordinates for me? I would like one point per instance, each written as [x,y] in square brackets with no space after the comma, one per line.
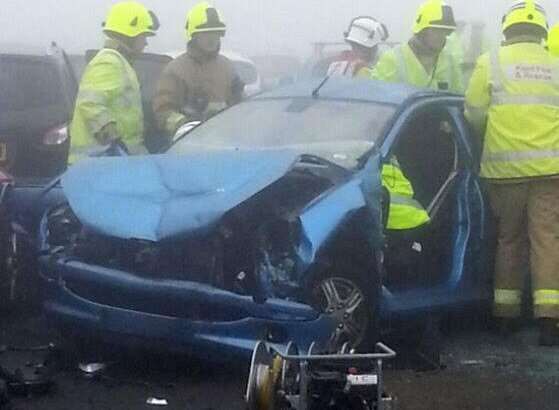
[343,88]
[22,49]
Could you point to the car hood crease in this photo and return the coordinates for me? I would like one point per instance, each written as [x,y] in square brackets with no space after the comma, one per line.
[164,196]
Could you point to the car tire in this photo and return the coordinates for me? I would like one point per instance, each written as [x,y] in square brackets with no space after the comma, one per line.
[351,301]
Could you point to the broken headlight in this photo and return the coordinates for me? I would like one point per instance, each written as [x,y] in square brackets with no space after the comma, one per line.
[276,264]
[62,227]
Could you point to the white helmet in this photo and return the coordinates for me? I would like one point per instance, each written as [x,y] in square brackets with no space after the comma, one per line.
[366,31]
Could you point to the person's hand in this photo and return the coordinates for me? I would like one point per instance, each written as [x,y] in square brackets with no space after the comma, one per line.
[108,134]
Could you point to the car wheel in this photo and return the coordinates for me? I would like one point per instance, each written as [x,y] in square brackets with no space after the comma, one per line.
[346,300]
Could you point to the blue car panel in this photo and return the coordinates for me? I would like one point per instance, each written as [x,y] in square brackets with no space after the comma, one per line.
[154,201]
[157,197]
[276,321]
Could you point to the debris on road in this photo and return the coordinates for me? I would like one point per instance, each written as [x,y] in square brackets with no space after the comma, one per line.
[92,369]
[472,362]
[154,401]
[26,370]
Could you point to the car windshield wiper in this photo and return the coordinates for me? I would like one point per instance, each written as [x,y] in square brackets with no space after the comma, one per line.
[316,91]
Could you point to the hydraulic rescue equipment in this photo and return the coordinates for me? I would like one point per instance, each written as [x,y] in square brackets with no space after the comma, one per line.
[317,380]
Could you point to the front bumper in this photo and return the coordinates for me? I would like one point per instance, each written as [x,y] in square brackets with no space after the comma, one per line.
[275,321]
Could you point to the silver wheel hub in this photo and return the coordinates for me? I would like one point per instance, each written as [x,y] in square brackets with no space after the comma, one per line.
[344,302]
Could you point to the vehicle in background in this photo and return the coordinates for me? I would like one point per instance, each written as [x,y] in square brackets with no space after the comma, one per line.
[247,71]
[78,63]
[35,109]
[276,70]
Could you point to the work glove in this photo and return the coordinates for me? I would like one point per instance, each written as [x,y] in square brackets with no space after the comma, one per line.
[107,134]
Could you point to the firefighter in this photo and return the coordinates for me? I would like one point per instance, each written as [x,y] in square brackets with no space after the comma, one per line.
[407,224]
[405,213]
[364,36]
[513,98]
[424,61]
[200,82]
[553,41]
[109,103]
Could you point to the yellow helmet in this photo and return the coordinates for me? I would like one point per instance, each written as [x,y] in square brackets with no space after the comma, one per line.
[553,41]
[203,18]
[434,14]
[131,19]
[525,12]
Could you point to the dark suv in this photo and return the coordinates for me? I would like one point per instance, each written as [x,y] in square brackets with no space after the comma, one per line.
[36,93]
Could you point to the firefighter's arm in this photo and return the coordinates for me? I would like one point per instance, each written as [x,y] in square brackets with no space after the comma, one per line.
[386,69]
[478,96]
[168,102]
[101,85]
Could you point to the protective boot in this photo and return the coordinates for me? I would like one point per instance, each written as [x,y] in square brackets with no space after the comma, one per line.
[549,332]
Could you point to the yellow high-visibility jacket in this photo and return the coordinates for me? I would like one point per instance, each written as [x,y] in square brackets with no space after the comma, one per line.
[401,65]
[513,98]
[109,93]
[404,211]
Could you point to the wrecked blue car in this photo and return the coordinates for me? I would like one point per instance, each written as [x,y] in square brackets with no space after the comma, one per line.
[266,222]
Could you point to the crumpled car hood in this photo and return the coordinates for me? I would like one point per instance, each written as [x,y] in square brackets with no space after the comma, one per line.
[162,196]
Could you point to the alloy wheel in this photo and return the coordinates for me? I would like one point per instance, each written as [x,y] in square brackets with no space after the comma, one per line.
[345,302]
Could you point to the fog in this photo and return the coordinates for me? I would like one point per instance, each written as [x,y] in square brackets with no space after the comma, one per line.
[254,26]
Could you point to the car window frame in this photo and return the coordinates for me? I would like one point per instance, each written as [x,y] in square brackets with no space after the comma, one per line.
[58,111]
[408,113]
[453,105]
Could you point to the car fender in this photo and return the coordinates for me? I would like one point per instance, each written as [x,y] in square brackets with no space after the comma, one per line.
[324,217]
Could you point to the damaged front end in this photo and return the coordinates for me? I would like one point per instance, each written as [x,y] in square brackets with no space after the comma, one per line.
[242,276]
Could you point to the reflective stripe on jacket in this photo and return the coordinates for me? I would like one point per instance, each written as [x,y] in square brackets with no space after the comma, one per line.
[405,212]
[514,98]
[109,93]
[546,297]
[401,65]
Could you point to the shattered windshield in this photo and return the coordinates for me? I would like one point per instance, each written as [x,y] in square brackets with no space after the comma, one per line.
[340,131]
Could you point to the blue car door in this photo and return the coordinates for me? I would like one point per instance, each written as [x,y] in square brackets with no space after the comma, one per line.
[434,147]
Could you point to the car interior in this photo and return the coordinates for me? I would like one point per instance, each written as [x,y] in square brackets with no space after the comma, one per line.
[427,151]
